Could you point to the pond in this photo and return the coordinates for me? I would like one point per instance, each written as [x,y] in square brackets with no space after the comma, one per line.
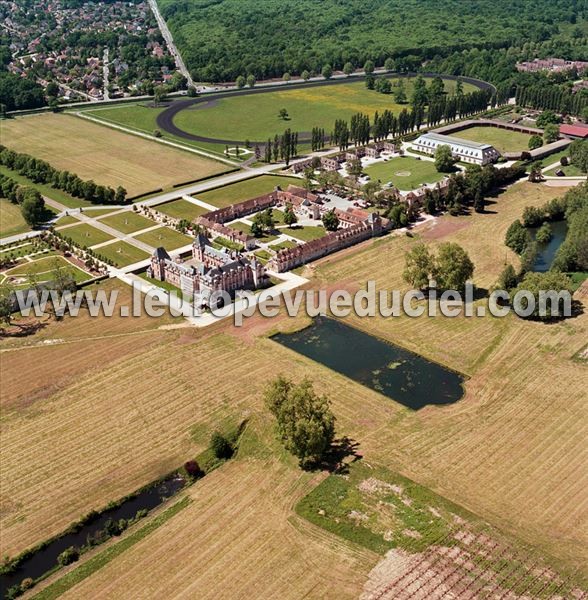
[399,374]
[546,252]
[46,558]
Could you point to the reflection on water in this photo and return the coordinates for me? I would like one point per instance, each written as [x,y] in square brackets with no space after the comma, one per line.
[393,371]
[546,252]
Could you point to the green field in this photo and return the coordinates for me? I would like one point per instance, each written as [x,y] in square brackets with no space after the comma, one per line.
[41,269]
[305,233]
[85,235]
[405,172]
[245,190]
[570,170]
[66,220]
[181,209]
[144,119]
[502,139]
[11,219]
[128,222]
[169,238]
[121,253]
[283,245]
[255,117]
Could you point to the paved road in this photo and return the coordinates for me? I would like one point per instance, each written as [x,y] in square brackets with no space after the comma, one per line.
[165,120]
[167,36]
[105,75]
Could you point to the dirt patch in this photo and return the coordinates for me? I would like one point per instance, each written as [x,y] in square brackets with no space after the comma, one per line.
[445,226]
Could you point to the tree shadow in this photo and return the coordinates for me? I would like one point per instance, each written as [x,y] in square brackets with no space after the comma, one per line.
[341,449]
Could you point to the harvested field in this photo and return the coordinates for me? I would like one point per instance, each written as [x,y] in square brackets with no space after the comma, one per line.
[107,156]
[238,538]
[510,451]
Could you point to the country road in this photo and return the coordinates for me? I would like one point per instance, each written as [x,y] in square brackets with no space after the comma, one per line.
[169,40]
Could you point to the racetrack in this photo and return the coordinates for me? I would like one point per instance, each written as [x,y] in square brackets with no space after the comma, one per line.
[165,120]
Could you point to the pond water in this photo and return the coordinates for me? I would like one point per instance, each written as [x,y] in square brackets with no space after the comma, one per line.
[45,559]
[399,374]
[546,252]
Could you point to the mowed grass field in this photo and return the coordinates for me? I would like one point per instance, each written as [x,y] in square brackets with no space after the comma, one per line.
[181,209]
[510,451]
[127,221]
[255,116]
[166,237]
[245,190]
[121,253]
[85,235]
[104,155]
[502,139]
[405,172]
[11,219]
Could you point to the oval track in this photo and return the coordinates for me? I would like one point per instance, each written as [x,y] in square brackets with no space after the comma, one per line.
[165,120]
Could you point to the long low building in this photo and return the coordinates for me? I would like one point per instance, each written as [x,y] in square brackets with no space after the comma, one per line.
[465,150]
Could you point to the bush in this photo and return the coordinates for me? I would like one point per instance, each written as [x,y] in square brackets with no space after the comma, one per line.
[220,446]
[544,233]
[517,237]
[68,556]
[192,469]
[26,584]
[564,161]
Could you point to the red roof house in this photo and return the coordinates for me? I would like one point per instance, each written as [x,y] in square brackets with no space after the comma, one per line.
[577,131]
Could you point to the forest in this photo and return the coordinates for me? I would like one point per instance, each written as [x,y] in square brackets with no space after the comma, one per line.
[222,39]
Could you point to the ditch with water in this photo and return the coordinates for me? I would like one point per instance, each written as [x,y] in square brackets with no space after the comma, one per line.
[395,372]
[44,559]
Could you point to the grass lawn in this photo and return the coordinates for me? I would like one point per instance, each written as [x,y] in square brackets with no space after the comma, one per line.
[86,235]
[283,245]
[502,139]
[45,190]
[569,171]
[66,220]
[107,156]
[255,117]
[143,118]
[245,190]
[121,253]
[305,233]
[165,285]
[169,238]
[19,249]
[181,209]
[42,269]
[128,222]
[11,219]
[98,212]
[405,172]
